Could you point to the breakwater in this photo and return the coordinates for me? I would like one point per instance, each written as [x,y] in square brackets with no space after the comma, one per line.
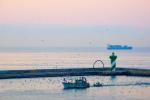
[8,74]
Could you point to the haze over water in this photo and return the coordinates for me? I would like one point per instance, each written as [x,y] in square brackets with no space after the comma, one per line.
[71,58]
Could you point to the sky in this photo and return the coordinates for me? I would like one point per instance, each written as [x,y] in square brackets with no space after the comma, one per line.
[74,23]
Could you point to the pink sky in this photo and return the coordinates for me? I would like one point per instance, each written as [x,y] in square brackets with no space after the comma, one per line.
[76,12]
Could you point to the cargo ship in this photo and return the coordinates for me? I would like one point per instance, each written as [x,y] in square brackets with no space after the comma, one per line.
[119,47]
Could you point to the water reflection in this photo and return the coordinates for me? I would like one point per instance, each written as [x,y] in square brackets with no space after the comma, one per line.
[113,78]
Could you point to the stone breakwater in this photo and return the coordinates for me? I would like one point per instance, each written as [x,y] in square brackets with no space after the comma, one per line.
[34,73]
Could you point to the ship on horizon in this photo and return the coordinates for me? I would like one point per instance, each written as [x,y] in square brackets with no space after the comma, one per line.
[119,47]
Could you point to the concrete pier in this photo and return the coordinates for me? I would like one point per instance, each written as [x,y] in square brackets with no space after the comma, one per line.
[8,74]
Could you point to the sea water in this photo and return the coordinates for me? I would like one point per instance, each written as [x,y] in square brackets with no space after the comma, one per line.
[51,88]
[35,59]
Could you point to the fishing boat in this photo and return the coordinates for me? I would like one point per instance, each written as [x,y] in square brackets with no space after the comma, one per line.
[77,83]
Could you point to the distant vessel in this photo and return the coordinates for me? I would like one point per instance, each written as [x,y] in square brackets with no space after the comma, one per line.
[119,47]
[77,83]
[98,84]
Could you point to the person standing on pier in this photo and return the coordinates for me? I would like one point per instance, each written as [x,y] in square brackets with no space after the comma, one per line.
[113,58]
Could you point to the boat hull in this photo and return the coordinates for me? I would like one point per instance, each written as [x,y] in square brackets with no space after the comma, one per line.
[76,86]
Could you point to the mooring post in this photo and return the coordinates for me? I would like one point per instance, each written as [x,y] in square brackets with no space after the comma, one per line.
[113,58]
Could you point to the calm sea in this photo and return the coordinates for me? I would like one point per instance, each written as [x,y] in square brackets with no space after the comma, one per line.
[121,87]
[52,89]
[71,58]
